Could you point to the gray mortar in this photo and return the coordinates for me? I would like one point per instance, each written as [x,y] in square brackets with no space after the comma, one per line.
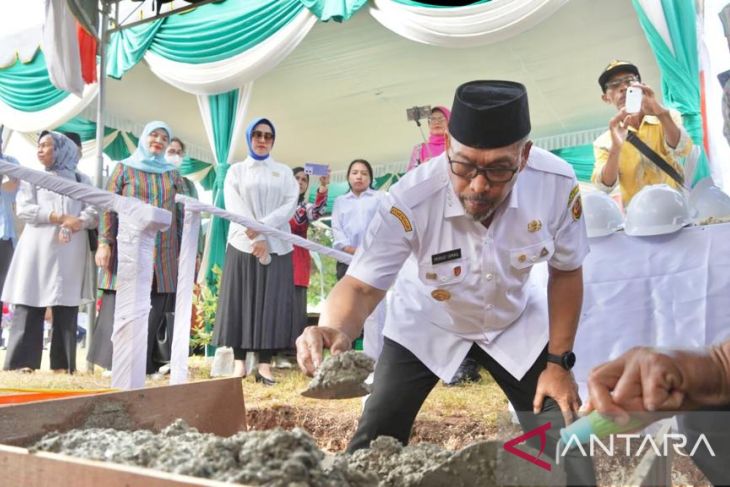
[346,367]
[275,458]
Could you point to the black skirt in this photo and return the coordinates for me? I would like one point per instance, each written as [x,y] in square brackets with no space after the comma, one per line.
[255,303]
[300,311]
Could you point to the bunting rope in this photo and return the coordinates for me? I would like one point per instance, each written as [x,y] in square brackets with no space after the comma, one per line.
[197,206]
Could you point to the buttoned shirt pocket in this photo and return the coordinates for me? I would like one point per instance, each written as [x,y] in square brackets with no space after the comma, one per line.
[442,274]
[526,257]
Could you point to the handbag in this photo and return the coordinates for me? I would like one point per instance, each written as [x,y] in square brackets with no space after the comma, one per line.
[93,233]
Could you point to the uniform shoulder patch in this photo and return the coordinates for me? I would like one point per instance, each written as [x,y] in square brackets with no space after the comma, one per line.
[577,209]
[402,218]
[573,193]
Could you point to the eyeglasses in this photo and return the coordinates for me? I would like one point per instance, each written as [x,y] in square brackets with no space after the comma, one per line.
[436,120]
[617,83]
[258,134]
[495,175]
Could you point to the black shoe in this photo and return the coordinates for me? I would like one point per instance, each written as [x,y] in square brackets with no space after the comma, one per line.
[264,380]
[467,372]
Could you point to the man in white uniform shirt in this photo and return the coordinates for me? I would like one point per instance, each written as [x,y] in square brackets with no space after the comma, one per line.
[464,231]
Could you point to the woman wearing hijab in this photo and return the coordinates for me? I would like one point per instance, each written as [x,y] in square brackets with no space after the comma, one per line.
[147,176]
[51,267]
[305,213]
[437,123]
[257,286]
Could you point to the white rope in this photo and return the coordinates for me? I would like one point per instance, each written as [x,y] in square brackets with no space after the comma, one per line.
[195,205]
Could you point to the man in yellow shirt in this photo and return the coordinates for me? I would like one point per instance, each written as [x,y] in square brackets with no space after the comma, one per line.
[619,162]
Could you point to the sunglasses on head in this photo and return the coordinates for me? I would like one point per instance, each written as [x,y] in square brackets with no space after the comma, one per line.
[258,134]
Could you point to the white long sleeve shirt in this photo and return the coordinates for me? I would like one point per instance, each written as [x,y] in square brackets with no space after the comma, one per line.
[265,191]
[351,215]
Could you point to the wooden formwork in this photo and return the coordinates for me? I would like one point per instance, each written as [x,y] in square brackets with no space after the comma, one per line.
[214,406]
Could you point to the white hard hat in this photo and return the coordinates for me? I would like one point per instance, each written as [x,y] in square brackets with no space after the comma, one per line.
[707,200]
[656,210]
[603,216]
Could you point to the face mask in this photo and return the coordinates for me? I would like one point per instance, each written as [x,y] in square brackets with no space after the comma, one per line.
[175,159]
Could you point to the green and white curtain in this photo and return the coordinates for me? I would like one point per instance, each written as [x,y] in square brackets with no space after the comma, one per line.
[474,25]
[670,28]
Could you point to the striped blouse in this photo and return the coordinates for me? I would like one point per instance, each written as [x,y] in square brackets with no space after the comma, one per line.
[158,190]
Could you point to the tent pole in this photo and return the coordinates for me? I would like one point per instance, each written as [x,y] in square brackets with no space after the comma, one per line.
[99,179]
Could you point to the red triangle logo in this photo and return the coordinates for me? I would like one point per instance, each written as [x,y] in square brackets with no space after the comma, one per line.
[542,432]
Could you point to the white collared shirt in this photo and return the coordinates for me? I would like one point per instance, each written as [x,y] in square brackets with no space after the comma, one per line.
[462,283]
[265,191]
[351,216]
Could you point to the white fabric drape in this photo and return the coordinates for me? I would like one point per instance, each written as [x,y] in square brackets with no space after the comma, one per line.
[138,225]
[244,96]
[233,72]
[61,48]
[470,26]
[655,12]
[51,117]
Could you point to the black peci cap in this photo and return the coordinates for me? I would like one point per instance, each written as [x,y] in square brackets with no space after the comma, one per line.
[490,114]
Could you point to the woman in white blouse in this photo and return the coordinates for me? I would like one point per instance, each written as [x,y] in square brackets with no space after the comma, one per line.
[351,214]
[353,211]
[52,264]
[257,286]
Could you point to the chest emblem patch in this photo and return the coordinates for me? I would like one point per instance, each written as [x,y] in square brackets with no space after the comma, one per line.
[534,226]
[440,294]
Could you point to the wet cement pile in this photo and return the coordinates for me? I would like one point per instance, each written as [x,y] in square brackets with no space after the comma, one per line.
[346,367]
[274,458]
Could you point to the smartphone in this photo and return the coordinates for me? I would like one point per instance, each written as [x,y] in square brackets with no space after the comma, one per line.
[633,99]
[316,169]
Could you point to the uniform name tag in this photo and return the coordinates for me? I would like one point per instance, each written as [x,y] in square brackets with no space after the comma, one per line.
[446,256]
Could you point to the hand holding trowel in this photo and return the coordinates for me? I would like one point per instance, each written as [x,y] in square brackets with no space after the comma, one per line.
[341,376]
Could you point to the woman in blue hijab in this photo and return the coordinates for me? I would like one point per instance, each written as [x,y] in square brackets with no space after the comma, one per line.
[257,287]
[51,266]
[147,176]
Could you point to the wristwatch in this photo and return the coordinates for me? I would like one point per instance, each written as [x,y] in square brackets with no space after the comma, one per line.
[565,360]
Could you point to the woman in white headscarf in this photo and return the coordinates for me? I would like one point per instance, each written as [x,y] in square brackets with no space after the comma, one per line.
[147,176]
[51,267]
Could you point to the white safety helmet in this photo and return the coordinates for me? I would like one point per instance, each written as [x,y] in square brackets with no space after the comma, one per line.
[656,210]
[602,214]
[707,200]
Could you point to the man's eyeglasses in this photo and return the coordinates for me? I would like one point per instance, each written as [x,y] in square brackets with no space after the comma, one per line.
[258,134]
[617,83]
[495,175]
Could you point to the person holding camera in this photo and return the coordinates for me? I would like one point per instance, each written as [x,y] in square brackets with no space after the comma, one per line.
[455,241]
[621,163]
[422,153]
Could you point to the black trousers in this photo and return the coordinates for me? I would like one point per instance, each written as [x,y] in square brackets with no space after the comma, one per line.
[6,256]
[25,344]
[402,383]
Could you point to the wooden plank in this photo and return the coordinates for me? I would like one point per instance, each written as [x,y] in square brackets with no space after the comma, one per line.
[213,406]
[19,468]
[655,470]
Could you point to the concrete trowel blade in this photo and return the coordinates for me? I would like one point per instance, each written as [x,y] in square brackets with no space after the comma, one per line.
[340,390]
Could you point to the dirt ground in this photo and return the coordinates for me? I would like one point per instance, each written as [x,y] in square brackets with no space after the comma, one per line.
[452,417]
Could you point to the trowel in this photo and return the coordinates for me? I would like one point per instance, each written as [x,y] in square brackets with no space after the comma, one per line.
[346,389]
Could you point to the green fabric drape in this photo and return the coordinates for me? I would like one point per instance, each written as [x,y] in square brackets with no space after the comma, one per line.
[581,158]
[192,166]
[26,86]
[216,31]
[223,116]
[680,71]
[84,127]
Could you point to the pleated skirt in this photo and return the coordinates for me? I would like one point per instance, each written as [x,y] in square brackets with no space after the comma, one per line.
[300,311]
[255,303]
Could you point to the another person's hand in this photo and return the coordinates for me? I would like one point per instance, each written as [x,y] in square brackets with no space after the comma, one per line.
[642,379]
[103,256]
[251,234]
[259,249]
[314,340]
[558,383]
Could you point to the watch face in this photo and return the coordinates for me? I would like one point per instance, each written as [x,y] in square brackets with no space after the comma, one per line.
[568,360]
